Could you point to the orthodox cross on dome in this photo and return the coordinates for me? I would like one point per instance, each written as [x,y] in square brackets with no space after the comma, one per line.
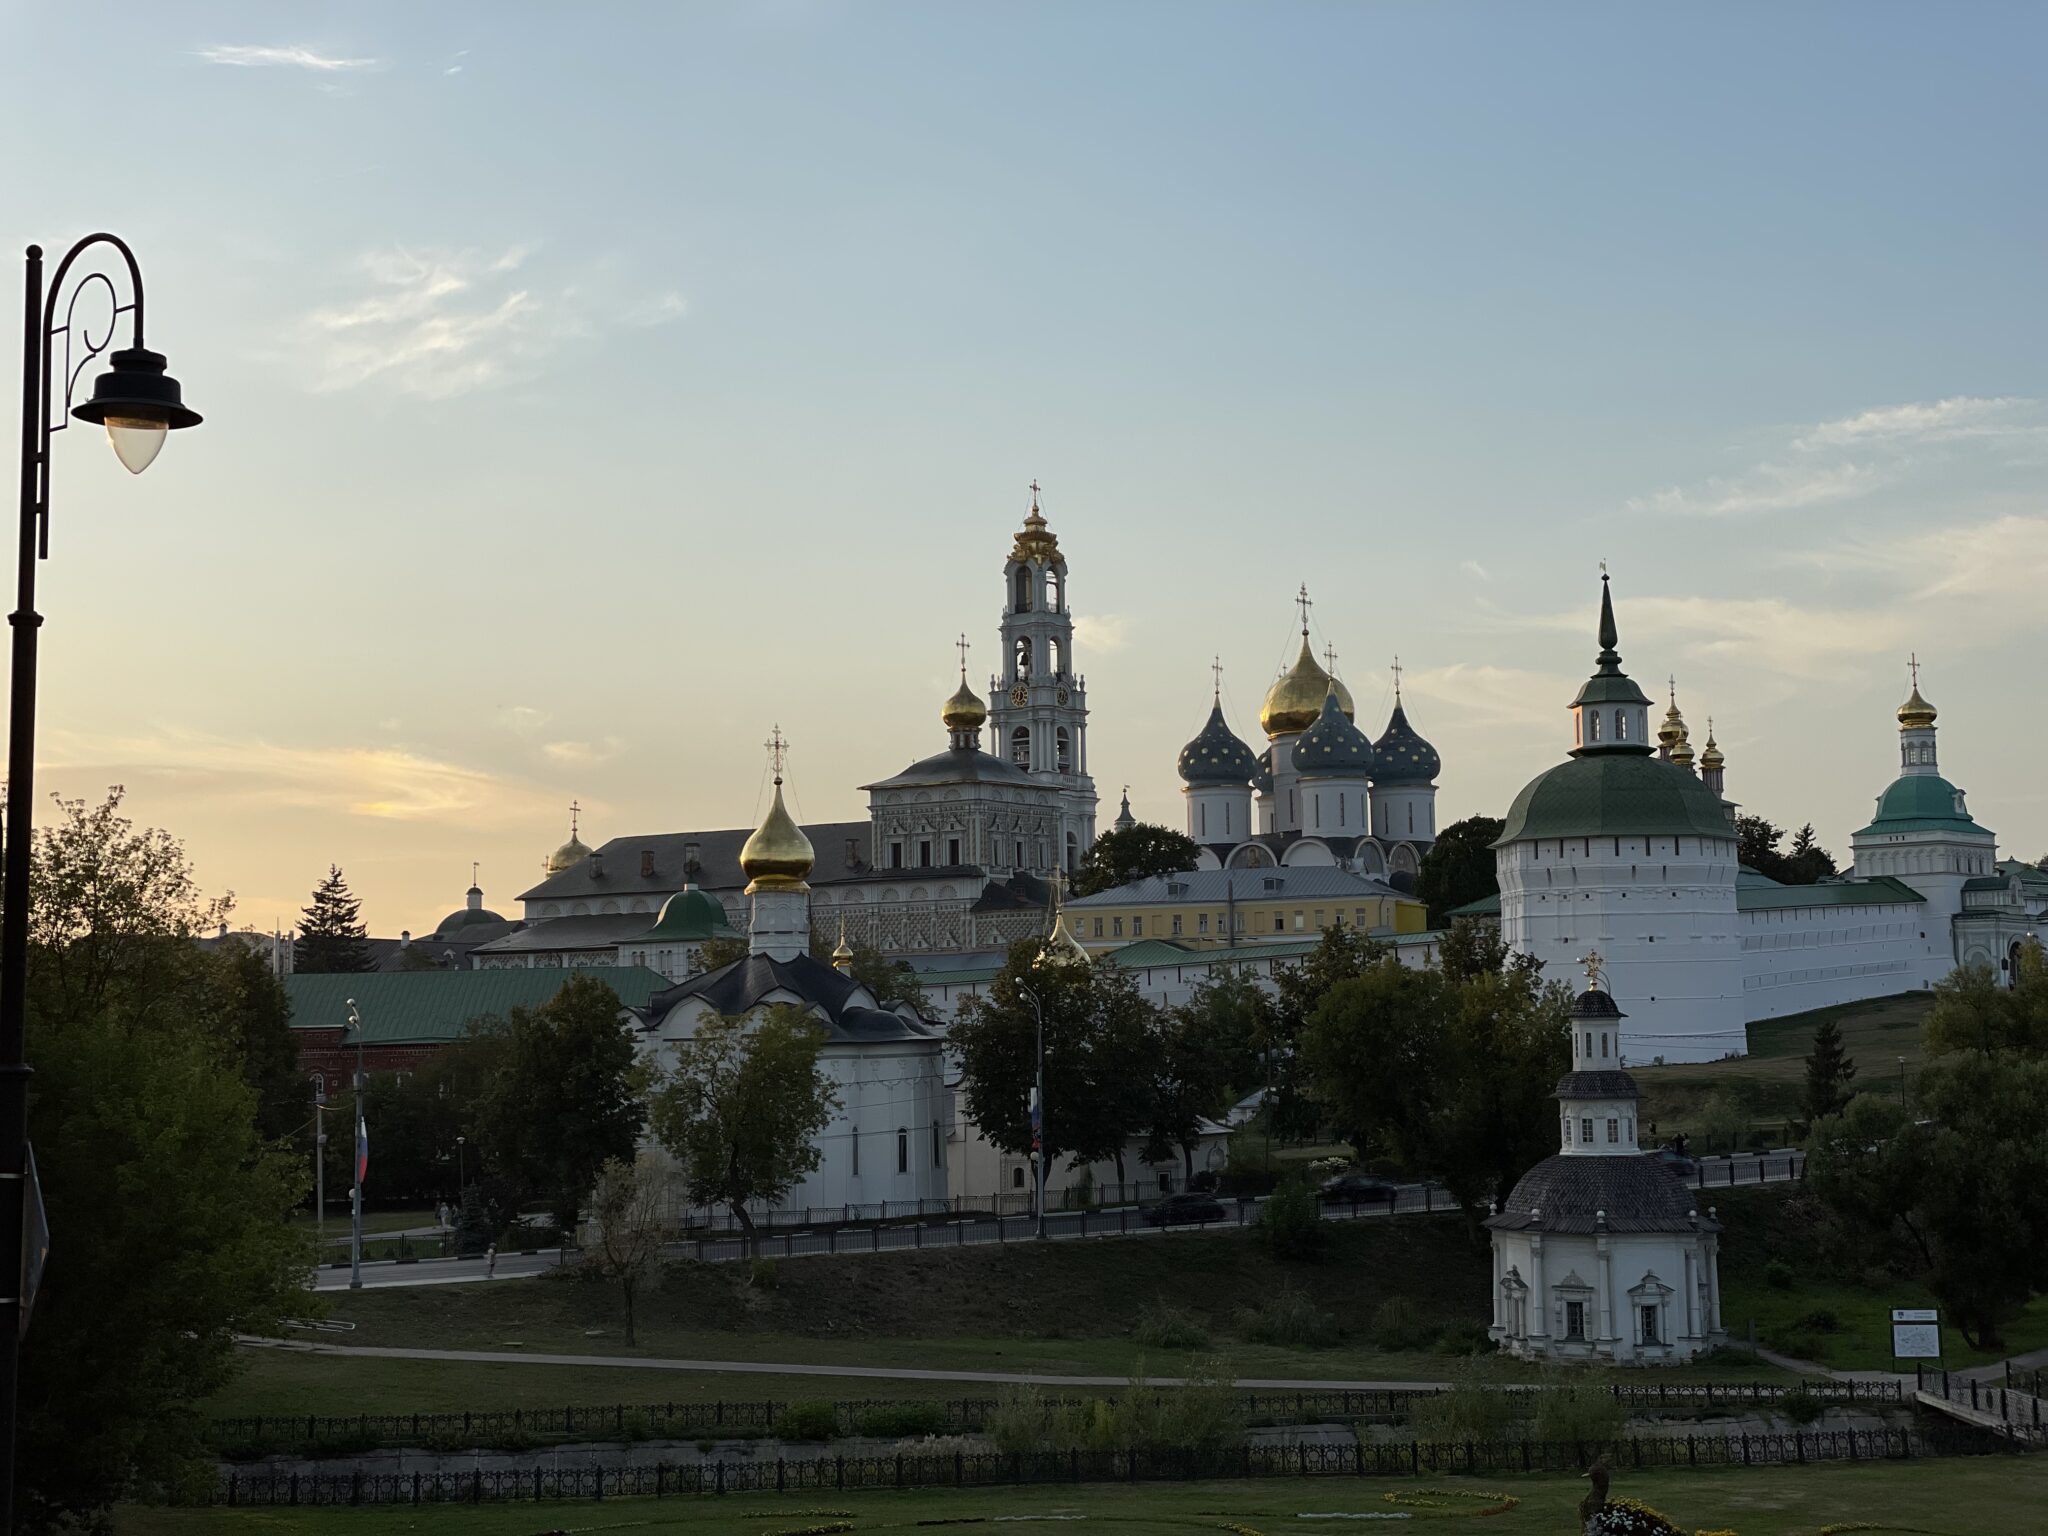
[1330,659]
[962,647]
[1397,678]
[472,871]
[1913,666]
[574,811]
[1216,667]
[1603,570]
[1034,495]
[1596,972]
[1671,681]
[1304,602]
[778,751]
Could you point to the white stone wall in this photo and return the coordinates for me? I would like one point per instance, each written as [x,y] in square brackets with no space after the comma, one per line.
[1219,813]
[1660,911]
[1404,813]
[1611,1277]
[1796,958]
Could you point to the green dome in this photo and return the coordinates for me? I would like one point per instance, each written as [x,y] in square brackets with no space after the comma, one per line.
[1920,802]
[689,915]
[1616,795]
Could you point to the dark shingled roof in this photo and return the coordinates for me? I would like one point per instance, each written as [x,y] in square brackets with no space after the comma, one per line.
[1217,755]
[615,869]
[1401,756]
[1638,1193]
[748,983]
[1597,1085]
[1332,747]
[959,765]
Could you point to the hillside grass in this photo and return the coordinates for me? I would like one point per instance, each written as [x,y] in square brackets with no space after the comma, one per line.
[1773,1074]
[1977,1496]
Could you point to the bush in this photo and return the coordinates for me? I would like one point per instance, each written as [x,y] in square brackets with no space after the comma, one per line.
[1017,1423]
[1201,1416]
[1292,1222]
[1801,1406]
[1288,1318]
[808,1421]
[761,1274]
[1778,1275]
[899,1420]
[1468,1337]
[1821,1320]
[1165,1327]
[1397,1324]
[1573,1407]
[1477,1406]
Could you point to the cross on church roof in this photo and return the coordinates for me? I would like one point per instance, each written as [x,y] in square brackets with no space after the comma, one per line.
[1216,666]
[1913,666]
[574,808]
[1034,495]
[778,750]
[962,647]
[1330,658]
[1397,677]
[1304,602]
[472,871]
[1595,972]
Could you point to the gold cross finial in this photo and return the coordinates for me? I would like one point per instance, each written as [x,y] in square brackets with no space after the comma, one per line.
[1913,666]
[1330,659]
[1034,495]
[1595,972]
[472,871]
[1397,677]
[1304,603]
[961,646]
[1671,680]
[778,750]
[1216,666]
[574,809]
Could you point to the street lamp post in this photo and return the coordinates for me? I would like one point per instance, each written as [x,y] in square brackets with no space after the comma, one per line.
[1038,1107]
[320,1172]
[355,1247]
[461,1169]
[1902,1082]
[137,402]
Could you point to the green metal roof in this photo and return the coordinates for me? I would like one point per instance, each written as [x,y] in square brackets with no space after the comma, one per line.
[1614,794]
[431,1007]
[688,916]
[1485,906]
[1920,802]
[1881,890]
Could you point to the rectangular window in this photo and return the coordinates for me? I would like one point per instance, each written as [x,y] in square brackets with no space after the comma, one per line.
[1098,927]
[938,1147]
[1279,922]
[903,1151]
[1176,925]
[1320,925]
[1586,1130]
[1358,918]
[952,850]
[1020,853]
[1613,1130]
[924,853]
[1137,927]
[1567,1130]
[1201,922]
[1116,927]
[853,1135]
[1297,922]
[1575,1312]
[1650,1325]
[895,855]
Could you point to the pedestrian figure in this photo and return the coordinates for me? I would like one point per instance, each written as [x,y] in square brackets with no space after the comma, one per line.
[491,1262]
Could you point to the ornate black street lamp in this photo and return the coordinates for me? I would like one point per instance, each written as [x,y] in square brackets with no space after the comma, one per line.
[137,402]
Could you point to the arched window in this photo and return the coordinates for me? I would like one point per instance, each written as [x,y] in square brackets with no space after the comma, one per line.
[1593,725]
[1055,591]
[1023,604]
[1621,725]
[1059,657]
[1020,659]
[1063,750]
[1016,1178]
[1020,746]
[319,1087]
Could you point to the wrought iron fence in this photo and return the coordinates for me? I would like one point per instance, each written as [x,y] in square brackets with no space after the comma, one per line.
[313,1434]
[959,1469]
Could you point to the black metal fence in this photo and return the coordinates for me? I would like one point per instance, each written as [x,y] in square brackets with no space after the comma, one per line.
[960,1469]
[311,1434]
[2017,1403]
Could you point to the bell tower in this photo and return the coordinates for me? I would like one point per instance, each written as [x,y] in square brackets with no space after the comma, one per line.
[1038,703]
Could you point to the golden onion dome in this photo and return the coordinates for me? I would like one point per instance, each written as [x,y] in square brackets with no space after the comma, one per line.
[1916,714]
[964,711]
[570,853]
[1036,542]
[1711,758]
[1295,700]
[1681,752]
[778,855]
[842,952]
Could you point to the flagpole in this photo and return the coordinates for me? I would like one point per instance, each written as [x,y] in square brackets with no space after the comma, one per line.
[355,1254]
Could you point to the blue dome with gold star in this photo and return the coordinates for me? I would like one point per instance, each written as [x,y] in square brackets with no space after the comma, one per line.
[1333,747]
[1403,756]
[1217,755]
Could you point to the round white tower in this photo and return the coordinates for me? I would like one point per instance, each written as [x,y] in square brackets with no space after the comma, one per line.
[1621,849]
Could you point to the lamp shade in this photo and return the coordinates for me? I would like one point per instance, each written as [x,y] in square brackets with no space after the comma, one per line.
[137,402]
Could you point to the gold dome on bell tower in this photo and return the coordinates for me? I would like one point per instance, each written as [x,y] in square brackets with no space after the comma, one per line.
[778,856]
[1916,714]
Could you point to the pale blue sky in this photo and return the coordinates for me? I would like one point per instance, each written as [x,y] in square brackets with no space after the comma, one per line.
[591,388]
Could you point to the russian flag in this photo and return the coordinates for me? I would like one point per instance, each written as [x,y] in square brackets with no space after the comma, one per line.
[362,1151]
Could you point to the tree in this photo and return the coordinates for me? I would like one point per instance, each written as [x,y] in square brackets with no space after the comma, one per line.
[1234,1014]
[1756,846]
[1459,867]
[252,1016]
[1962,1177]
[153,1170]
[1974,1011]
[1808,862]
[1190,1083]
[332,938]
[1292,1111]
[1098,1030]
[1143,848]
[719,951]
[741,1112]
[628,1215]
[1470,948]
[563,1098]
[1829,1072]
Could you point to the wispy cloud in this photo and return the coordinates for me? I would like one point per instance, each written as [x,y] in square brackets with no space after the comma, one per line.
[288,56]
[1475,570]
[1853,456]
[583,754]
[1102,632]
[1490,695]
[522,719]
[2000,557]
[385,783]
[439,323]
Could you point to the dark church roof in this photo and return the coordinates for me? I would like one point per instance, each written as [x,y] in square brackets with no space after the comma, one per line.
[958,765]
[748,983]
[615,869]
[1566,1193]
[1597,1085]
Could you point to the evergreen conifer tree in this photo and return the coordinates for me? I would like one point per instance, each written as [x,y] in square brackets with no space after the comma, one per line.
[332,938]
[1829,1072]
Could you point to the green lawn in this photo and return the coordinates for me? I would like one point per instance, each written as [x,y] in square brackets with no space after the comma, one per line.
[1877,1033]
[373,1222]
[1978,1496]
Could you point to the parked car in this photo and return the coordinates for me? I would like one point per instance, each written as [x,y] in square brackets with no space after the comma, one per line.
[1358,1189]
[1675,1161]
[1183,1210]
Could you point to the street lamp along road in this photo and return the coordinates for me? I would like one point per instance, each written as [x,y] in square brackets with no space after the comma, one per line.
[137,402]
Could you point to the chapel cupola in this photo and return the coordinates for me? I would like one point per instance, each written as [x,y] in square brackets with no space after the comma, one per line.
[776,860]
[1597,1098]
[1296,698]
[1611,714]
[1916,729]
[964,713]
[1712,761]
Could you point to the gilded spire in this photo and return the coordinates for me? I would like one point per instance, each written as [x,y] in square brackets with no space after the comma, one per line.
[1712,758]
[1035,542]
[1061,947]
[842,952]
[1916,714]
[778,856]
[964,711]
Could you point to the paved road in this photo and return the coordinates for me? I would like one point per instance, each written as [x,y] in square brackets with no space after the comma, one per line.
[769,1368]
[974,1231]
